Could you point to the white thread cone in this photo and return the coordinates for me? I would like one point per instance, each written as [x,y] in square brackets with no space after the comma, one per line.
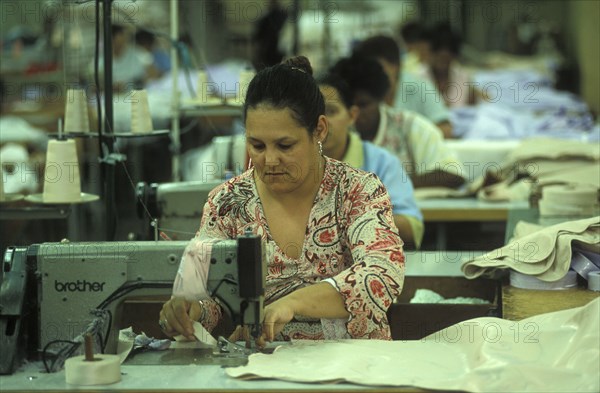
[2,197]
[242,87]
[105,369]
[61,176]
[141,121]
[229,154]
[76,112]
[202,90]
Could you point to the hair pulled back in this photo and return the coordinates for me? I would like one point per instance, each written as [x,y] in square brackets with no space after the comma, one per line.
[288,85]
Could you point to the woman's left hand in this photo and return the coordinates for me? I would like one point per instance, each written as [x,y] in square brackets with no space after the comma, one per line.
[277,314]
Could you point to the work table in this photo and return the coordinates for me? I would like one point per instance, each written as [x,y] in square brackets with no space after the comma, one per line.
[189,378]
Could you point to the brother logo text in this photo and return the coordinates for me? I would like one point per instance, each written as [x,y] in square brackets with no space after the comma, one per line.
[79,286]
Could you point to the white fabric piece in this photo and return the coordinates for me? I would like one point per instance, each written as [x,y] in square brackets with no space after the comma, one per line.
[332,282]
[554,148]
[571,172]
[192,275]
[422,193]
[201,335]
[427,296]
[17,130]
[479,156]
[545,254]
[524,228]
[558,352]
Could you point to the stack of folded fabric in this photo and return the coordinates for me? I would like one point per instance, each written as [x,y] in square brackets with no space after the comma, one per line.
[544,253]
[540,162]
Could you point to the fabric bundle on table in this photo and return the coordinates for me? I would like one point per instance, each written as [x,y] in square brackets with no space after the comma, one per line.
[554,149]
[540,162]
[545,253]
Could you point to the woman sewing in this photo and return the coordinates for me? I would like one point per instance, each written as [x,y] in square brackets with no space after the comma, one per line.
[334,257]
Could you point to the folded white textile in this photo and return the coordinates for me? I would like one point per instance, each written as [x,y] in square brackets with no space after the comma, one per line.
[545,254]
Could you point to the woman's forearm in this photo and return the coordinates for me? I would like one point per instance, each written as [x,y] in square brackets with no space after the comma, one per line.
[321,300]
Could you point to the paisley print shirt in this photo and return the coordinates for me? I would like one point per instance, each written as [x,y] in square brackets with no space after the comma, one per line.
[350,239]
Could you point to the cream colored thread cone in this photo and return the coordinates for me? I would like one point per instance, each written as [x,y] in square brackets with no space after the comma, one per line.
[141,121]
[105,369]
[2,197]
[76,111]
[61,174]
[242,88]
[202,89]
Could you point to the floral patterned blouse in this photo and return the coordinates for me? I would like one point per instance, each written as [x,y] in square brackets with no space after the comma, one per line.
[350,239]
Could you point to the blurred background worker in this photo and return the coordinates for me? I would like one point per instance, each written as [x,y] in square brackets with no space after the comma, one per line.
[343,143]
[415,140]
[407,91]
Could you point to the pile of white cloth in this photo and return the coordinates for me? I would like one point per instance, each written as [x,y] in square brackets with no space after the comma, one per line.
[544,253]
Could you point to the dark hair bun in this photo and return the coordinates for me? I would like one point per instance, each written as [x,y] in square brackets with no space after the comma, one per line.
[299,62]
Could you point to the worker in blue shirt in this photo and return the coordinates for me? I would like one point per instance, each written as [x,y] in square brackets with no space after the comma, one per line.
[344,144]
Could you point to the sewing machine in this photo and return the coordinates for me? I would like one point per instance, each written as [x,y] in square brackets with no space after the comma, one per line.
[176,206]
[48,289]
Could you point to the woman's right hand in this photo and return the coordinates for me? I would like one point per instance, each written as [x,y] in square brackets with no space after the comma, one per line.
[178,316]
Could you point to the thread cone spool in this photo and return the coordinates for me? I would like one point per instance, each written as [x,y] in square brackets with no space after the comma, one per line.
[242,87]
[594,281]
[585,263]
[76,112]
[61,174]
[230,154]
[103,370]
[141,121]
[2,197]
[202,89]
[525,281]
[569,200]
